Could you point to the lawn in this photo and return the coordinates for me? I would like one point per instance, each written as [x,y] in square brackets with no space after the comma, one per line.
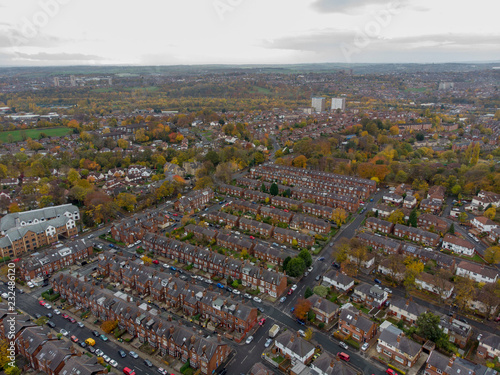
[17,135]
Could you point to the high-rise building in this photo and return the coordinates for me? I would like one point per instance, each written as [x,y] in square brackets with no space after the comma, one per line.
[338,103]
[319,104]
[56,82]
[72,80]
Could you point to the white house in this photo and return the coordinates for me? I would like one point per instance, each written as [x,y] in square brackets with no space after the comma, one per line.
[426,281]
[483,224]
[477,272]
[338,280]
[292,345]
[393,198]
[366,263]
[458,245]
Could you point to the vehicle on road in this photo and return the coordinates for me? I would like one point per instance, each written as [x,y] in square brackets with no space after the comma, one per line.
[72,320]
[261,309]
[37,316]
[82,344]
[236,291]
[128,371]
[290,291]
[113,363]
[249,339]
[365,346]
[390,371]
[103,338]
[51,324]
[344,356]
[122,353]
[246,295]
[106,358]
[91,349]
[318,278]
[321,259]
[301,322]
[257,299]
[219,285]
[162,371]
[57,312]
[96,334]
[479,337]
[74,338]
[148,363]
[229,289]
[343,345]
[49,315]
[262,321]
[302,333]
[65,316]
[310,269]
[377,281]
[133,354]
[99,352]
[64,332]
[90,341]
[282,299]
[42,303]
[156,261]
[80,324]
[274,330]
[388,290]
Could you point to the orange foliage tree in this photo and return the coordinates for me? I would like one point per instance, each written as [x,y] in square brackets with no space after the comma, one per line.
[109,325]
[302,308]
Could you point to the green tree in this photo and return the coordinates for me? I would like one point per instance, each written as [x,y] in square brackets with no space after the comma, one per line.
[428,326]
[306,256]
[308,293]
[263,188]
[273,190]
[286,261]
[456,189]
[492,255]
[213,157]
[452,229]
[296,267]
[412,221]
[321,290]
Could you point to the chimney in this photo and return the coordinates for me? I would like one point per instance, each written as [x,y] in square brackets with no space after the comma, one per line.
[138,303]
[193,339]
[180,322]
[292,337]
[332,362]
[171,330]
[452,359]
[399,338]
[219,338]
[102,286]
[49,336]
[192,293]
[204,348]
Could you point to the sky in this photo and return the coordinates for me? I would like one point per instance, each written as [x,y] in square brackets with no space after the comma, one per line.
[167,32]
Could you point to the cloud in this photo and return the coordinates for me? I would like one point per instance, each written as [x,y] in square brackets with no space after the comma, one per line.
[61,57]
[11,37]
[348,6]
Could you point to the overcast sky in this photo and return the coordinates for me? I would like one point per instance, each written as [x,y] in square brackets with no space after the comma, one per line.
[166,32]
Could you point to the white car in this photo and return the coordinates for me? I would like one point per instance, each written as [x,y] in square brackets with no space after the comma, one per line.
[246,295]
[236,291]
[310,269]
[80,324]
[30,284]
[209,281]
[257,299]
[5,295]
[47,306]
[282,299]
[249,339]
[302,333]
[294,287]
[113,363]
[64,332]
[99,352]
[106,358]
[268,343]
[364,347]
[57,312]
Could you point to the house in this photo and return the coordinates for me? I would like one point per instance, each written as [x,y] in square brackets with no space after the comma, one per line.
[416,235]
[383,210]
[392,343]
[367,262]
[310,223]
[433,284]
[292,237]
[379,225]
[255,227]
[378,242]
[483,224]
[431,206]
[393,198]
[458,245]
[317,210]
[410,202]
[439,364]
[370,295]
[195,200]
[292,345]
[260,369]
[477,272]
[325,310]
[494,235]
[432,223]
[436,193]
[481,302]
[485,198]
[489,346]
[338,280]
[395,270]
[458,332]
[406,310]
[232,190]
[328,364]
[425,255]
[352,323]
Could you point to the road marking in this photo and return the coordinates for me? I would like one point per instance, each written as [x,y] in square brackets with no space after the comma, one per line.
[244,359]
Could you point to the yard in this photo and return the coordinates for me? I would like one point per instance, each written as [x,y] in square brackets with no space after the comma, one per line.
[19,135]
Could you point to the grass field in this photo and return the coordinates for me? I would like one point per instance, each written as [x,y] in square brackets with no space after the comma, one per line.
[17,135]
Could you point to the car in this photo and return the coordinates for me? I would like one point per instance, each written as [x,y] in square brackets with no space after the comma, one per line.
[20,291]
[51,324]
[5,295]
[365,346]
[282,299]
[290,291]
[261,309]
[252,237]
[336,265]
[321,259]
[390,371]
[42,303]
[99,352]
[156,261]
[262,321]
[268,343]
[236,291]
[91,349]
[292,310]
[113,363]
[310,269]
[343,345]
[57,312]
[133,354]
[219,285]
[249,339]
[463,320]
[81,325]
[65,316]
[257,299]
[82,344]
[301,322]
[388,290]
[162,371]
[306,273]
[479,337]
[294,287]
[377,281]
[246,295]
[330,244]
[37,316]
[74,338]
[229,289]
[64,332]
[106,358]
[72,320]
[148,363]
[96,334]
[103,338]
[208,281]
[173,268]
[49,315]
[122,353]
[318,278]
[301,332]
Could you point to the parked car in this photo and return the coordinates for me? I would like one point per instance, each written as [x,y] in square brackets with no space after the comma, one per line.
[49,315]
[99,352]
[51,324]
[377,281]
[162,371]
[113,363]
[219,285]
[133,354]
[64,332]
[74,338]
[236,291]
[91,349]
[318,278]
[364,347]
[42,303]
[156,261]
[106,358]
[301,332]
[80,324]
[37,316]
[268,343]
[321,259]
[72,320]
[246,295]
[282,299]
[148,363]
[96,334]
[257,299]
[57,312]
[249,339]
[390,371]
[122,353]
[262,321]
[48,306]
[343,345]
[82,344]
[103,338]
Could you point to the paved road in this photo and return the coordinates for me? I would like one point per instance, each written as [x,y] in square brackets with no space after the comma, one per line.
[29,303]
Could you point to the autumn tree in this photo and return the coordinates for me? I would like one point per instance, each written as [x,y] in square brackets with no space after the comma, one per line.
[464,289]
[302,307]
[140,136]
[492,255]
[147,260]
[300,161]
[397,217]
[4,360]
[413,268]
[108,326]
[308,334]
[490,213]
[341,250]
[490,297]
[14,207]
[122,143]
[204,182]
[126,201]
[339,216]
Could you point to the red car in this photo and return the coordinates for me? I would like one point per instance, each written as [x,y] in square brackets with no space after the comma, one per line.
[41,303]
[290,291]
[262,321]
[390,371]
[72,320]
[65,316]
[156,262]
[74,338]
[175,215]
[252,237]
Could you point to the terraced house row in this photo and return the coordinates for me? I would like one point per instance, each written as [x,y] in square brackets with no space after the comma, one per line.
[169,337]
[267,281]
[187,298]
[129,230]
